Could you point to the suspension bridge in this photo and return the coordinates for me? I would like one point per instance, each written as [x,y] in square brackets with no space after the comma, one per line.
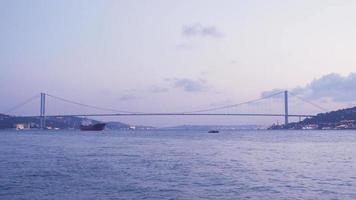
[213,111]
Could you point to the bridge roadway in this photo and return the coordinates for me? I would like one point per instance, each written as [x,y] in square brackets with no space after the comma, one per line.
[178,114]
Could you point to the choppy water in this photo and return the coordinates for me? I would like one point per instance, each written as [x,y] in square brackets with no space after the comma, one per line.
[178,165]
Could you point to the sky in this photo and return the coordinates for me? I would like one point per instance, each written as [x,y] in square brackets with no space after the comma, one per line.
[171,56]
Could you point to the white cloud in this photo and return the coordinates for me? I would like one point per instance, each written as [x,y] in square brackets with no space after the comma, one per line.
[189,85]
[333,86]
[195,30]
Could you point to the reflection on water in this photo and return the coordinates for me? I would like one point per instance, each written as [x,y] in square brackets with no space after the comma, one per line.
[178,165]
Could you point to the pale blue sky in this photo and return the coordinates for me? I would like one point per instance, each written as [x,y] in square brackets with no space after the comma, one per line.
[171,55]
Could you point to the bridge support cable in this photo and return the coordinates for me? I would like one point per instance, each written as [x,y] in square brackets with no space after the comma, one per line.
[8,111]
[146,113]
[233,105]
[89,106]
[309,102]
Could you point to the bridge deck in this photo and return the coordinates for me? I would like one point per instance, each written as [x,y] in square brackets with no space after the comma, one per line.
[178,114]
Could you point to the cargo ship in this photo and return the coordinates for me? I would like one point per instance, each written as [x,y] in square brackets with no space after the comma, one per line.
[93,127]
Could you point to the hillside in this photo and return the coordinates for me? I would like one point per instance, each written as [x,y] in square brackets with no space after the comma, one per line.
[10,122]
[339,119]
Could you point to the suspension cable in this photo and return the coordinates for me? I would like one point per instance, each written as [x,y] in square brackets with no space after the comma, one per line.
[89,106]
[21,104]
[235,105]
[309,102]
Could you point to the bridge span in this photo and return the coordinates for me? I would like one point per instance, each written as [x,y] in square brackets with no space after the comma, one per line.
[216,111]
[177,114]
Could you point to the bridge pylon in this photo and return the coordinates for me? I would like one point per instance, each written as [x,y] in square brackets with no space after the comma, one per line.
[43,111]
[286,107]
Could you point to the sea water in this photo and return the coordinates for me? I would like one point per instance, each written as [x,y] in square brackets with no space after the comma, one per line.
[178,165]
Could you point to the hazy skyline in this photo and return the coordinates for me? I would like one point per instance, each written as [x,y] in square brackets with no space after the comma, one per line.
[176,55]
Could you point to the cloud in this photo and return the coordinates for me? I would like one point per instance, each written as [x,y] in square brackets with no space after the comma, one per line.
[334,86]
[140,93]
[158,89]
[189,85]
[184,46]
[195,30]
[233,62]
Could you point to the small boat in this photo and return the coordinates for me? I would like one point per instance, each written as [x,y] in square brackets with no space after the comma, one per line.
[213,131]
[93,127]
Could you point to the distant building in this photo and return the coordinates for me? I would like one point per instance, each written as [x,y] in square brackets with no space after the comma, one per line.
[345,124]
[310,127]
[22,126]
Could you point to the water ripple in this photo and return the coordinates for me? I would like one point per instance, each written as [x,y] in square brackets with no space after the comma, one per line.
[178,165]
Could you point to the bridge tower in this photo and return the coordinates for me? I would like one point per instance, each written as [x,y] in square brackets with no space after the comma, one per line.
[43,111]
[285,107]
